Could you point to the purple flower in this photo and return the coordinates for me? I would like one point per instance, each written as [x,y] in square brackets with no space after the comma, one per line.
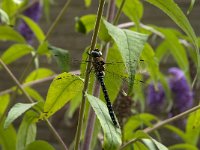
[155,98]
[33,12]
[181,92]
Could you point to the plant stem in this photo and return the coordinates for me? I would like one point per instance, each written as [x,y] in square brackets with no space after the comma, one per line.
[93,44]
[96,87]
[91,119]
[61,13]
[56,135]
[29,84]
[119,12]
[163,123]
[30,99]
[15,80]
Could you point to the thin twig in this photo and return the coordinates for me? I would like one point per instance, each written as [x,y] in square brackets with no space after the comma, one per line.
[28,84]
[93,44]
[56,135]
[15,80]
[119,12]
[61,13]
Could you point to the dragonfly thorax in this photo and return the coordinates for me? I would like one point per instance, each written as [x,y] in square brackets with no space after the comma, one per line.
[96,53]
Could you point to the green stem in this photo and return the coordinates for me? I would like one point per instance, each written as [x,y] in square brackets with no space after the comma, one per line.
[56,135]
[61,13]
[93,44]
[119,12]
[163,123]
[15,80]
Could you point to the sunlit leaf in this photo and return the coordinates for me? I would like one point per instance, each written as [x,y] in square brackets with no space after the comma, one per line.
[43,48]
[7,137]
[35,28]
[112,135]
[34,94]
[85,24]
[133,9]
[9,34]
[183,146]
[135,122]
[62,89]
[4,19]
[27,130]
[130,45]
[175,13]
[15,52]
[39,73]
[4,101]
[87,3]
[16,111]
[39,145]
[193,128]
[191,6]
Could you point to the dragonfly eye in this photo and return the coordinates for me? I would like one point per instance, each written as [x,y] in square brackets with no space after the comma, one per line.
[96,53]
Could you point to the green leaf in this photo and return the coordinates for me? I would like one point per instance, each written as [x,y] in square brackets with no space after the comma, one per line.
[183,146]
[151,61]
[7,137]
[112,135]
[61,56]
[85,24]
[27,131]
[4,102]
[43,48]
[4,19]
[176,49]
[135,122]
[191,6]
[133,9]
[130,45]
[9,34]
[16,111]
[87,3]
[177,131]
[39,73]
[15,52]
[34,94]
[39,145]
[159,145]
[10,7]
[175,13]
[35,28]
[63,88]
[193,128]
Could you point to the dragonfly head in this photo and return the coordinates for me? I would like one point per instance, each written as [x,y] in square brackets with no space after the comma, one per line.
[96,53]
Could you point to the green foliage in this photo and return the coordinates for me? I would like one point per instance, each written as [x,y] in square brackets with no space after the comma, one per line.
[9,34]
[64,84]
[39,145]
[112,135]
[16,111]
[126,47]
[4,19]
[61,56]
[4,101]
[27,131]
[133,9]
[35,28]
[15,52]
[7,137]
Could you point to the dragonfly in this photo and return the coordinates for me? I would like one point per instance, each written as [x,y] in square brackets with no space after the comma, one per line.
[98,64]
